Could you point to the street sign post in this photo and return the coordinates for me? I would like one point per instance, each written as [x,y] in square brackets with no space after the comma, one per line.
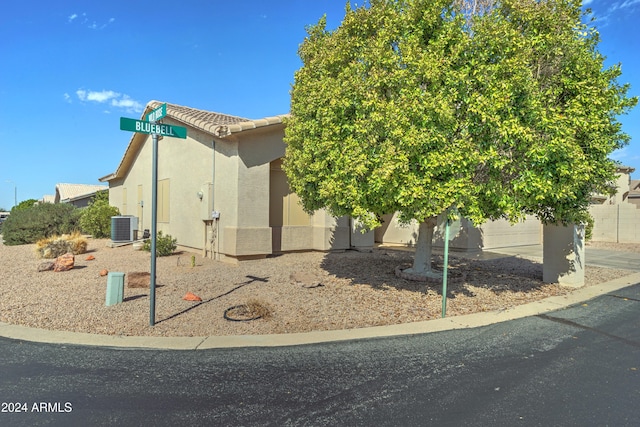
[142,126]
[150,126]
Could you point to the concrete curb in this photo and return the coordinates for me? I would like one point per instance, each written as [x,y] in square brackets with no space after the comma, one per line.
[580,295]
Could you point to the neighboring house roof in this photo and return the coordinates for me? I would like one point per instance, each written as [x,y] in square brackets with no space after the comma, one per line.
[627,169]
[70,192]
[215,124]
[634,189]
[48,198]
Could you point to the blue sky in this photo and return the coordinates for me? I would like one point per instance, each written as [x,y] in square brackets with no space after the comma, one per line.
[71,69]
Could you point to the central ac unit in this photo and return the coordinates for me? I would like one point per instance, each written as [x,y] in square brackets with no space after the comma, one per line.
[123,228]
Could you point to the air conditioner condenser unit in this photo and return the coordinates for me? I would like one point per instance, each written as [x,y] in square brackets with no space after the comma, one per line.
[124,228]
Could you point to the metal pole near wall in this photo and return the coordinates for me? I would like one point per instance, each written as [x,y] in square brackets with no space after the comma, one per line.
[154,222]
[446,265]
[151,127]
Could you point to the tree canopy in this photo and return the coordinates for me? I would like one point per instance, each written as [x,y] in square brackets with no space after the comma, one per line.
[415,106]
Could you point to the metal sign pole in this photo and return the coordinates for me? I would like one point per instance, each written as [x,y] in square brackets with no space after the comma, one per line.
[446,265]
[151,126]
[154,220]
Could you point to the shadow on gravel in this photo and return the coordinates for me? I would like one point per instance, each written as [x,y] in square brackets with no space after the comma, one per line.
[377,269]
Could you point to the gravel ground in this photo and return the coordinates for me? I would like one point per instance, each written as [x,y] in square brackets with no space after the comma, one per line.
[302,291]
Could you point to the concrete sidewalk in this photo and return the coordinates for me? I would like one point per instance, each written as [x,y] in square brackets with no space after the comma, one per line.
[593,256]
[596,257]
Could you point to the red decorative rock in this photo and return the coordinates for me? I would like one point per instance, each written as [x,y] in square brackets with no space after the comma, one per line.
[90,258]
[104,272]
[64,262]
[191,297]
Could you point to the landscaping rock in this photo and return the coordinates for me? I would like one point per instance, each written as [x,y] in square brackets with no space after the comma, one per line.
[90,258]
[104,272]
[64,262]
[46,266]
[191,297]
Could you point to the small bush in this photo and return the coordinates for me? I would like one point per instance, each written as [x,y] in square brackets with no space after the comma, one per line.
[37,222]
[588,228]
[165,245]
[53,247]
[95,219]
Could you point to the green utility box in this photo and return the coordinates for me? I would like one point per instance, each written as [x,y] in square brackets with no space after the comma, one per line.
[115,288]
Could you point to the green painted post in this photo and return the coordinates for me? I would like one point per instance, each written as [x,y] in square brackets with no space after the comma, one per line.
[154,220]
[446,265]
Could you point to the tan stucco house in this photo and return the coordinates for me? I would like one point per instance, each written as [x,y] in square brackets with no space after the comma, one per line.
[616,218]
[78,195]
[222,190]
[634,192]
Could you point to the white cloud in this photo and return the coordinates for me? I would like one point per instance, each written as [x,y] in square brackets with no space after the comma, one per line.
[623,5]
[67,98]
[115,99]
[127,103]
[102,96]
[93,25]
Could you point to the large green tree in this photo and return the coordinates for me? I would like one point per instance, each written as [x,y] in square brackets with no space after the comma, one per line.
[417,106]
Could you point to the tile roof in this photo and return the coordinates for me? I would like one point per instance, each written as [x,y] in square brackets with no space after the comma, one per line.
[216,124]
[72,191]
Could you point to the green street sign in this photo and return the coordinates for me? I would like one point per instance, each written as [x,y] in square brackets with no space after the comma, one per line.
[157,114]
[142,126]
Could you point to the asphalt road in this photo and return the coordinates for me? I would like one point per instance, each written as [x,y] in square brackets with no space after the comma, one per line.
[575,367]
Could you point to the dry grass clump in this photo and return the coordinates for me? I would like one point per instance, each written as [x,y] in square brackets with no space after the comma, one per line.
[258,308]
[54,246]
[251,310]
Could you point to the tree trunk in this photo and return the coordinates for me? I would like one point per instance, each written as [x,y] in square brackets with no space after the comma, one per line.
[424,246]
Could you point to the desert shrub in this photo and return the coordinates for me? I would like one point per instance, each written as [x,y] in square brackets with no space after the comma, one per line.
[54,246]
[29,225]
[165,245]
[588,228]
[23,205]
[95,219]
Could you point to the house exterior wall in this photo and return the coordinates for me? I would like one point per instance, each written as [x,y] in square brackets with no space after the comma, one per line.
[233,176]
[184,171]
[254,222]
[463,235]
[82,202]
